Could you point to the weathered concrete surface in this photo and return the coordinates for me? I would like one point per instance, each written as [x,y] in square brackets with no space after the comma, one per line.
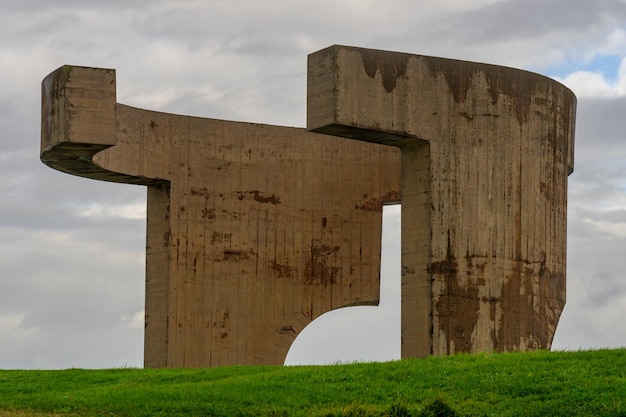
[253,231]
[486,152]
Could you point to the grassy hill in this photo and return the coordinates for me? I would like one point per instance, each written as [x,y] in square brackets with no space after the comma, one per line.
[586,383]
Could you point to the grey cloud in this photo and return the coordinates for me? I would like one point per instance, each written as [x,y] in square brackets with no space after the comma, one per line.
[30,6]
[596,284]
[611,216]
[70,295]
[602,288]
[506,20]
[535,35]
[47,200]
[600,124]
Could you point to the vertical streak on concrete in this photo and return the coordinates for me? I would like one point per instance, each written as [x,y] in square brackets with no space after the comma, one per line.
[157,276]
[416,316]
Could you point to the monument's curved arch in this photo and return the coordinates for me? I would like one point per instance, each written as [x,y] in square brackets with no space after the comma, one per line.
[360,333]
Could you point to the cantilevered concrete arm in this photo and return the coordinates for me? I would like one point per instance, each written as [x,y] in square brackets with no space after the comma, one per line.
[80,118]
[253,231]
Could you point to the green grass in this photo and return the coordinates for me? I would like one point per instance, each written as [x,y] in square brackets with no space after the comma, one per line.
[586,383]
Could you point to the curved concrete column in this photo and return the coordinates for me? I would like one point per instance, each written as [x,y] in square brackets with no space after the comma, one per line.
[486,152]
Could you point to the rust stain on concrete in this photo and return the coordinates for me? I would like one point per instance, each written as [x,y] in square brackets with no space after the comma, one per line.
[519,87]
[284,271]
[220,237]
[319,268]
[234,255]
[287,329]
[377,203]
[260,197]
[390,66]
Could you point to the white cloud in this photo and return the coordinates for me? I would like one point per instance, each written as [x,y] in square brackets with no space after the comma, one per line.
[588,84]
[11,327]
[132,210]
[616,229]
[615,43]
[134,321]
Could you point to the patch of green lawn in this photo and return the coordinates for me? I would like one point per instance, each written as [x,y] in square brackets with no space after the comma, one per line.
[586,383]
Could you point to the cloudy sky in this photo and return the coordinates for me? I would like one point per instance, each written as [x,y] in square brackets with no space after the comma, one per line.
[72,250]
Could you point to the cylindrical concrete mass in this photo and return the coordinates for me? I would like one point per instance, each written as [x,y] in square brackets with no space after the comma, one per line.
[486,152]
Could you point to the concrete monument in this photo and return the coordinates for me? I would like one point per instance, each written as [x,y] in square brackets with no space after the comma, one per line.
[253,231]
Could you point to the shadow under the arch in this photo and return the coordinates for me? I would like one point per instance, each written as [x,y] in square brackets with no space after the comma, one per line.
[359,333]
